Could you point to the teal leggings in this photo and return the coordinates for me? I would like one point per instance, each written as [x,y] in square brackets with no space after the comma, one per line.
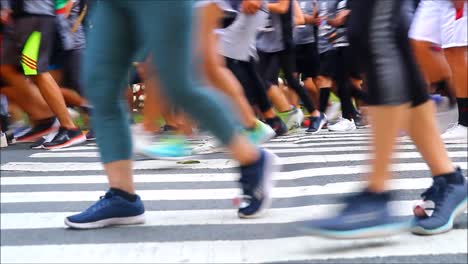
[162,27]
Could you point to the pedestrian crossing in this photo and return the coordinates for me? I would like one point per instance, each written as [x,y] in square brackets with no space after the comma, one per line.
[190,214]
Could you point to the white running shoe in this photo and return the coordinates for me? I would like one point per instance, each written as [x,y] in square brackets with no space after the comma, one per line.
[343,125]
[458,132]
[333,111]
[3,141]
[210,146]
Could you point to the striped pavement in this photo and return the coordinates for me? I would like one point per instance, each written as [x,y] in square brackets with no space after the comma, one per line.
[190,214]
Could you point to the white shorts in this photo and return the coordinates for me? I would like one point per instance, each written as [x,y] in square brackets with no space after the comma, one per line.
[436,21]
[454,32]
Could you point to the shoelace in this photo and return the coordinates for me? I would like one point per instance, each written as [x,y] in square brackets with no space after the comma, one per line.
[437,193]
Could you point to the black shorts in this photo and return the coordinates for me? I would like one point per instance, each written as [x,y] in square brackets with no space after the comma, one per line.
[20,45]
[69,61]
[307,60]
[378,34]
[328,64]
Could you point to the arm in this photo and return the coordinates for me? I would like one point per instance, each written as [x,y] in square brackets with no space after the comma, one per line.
[458,3]
[281,7]
[312,19]
[5,13]
[340,18]
[298,15]
[251,6]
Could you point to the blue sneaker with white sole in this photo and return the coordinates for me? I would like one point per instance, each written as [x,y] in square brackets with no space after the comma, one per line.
[365,215]
[448,201]
[256,183]
[110,210]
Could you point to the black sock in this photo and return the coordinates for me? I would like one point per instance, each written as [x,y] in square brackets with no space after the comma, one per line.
[463,111]
[324,96]
[127,196]
[46,121]
[454,177]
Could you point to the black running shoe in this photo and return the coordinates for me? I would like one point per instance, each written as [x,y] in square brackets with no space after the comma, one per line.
[257,182]
[43,128]
[90,135]
[66,138]
[361,121]
[278,126]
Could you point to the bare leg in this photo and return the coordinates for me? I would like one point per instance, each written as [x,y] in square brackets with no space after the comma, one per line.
[423,131]
[457,60]
[278,99]
[120,175]
[384,132]
[51,93]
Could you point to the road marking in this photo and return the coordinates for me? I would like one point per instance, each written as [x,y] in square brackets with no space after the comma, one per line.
[212,177]
[211,194]
[241,251]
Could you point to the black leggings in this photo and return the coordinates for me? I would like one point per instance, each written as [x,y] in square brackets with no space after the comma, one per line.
[254,86]
[343,81]
[378,33]
[270,66]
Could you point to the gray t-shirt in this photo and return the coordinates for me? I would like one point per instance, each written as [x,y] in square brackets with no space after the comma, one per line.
[270,37]
[79,40]
[304,34]
[324,30]
[339,38]
[39,7]
[237,40]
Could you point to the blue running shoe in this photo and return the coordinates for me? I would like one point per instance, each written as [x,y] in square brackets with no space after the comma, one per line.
[260,134]
[257,182]
[448,201]
[169,148]
[317,123]
[110,210]
[365,215]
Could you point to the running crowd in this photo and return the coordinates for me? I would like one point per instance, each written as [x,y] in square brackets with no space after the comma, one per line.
[245,71]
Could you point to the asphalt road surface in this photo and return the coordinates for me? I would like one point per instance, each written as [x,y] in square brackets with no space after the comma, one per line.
[190,213]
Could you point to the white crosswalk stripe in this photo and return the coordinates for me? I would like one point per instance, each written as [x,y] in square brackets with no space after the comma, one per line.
[38,192]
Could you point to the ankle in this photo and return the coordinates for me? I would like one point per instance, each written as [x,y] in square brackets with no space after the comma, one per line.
[131,197]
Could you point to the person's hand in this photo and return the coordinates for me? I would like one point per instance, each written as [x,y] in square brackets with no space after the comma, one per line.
[251,6]
[5,16]
[458,4]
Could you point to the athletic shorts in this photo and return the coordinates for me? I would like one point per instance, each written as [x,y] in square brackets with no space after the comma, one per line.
[328,64]
[307,60]
[30,43]
[440,23]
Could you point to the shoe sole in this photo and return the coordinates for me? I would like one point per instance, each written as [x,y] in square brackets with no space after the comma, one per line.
[157,157]
[33,138]
[460,209]
[273,168]
[133,220]
[346,130]
[75,141]
[363,233]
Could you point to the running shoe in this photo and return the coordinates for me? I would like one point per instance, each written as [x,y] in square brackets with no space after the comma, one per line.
[457,132]
[260,134]
[41,129]
[343,125]
[45,139]
[278,126]
[257,182]
[111,209]
[317,123]
[66,138]
[333,111]
[442,203]
[365,215]
[293,118]
[361,121]
[90,135]
[210,146]
[141,138]
[3,140]
[170,148]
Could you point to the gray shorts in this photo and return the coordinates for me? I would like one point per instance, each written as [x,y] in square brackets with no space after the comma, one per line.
[16,36]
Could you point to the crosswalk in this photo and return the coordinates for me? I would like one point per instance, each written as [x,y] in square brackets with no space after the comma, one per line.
[191,217]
